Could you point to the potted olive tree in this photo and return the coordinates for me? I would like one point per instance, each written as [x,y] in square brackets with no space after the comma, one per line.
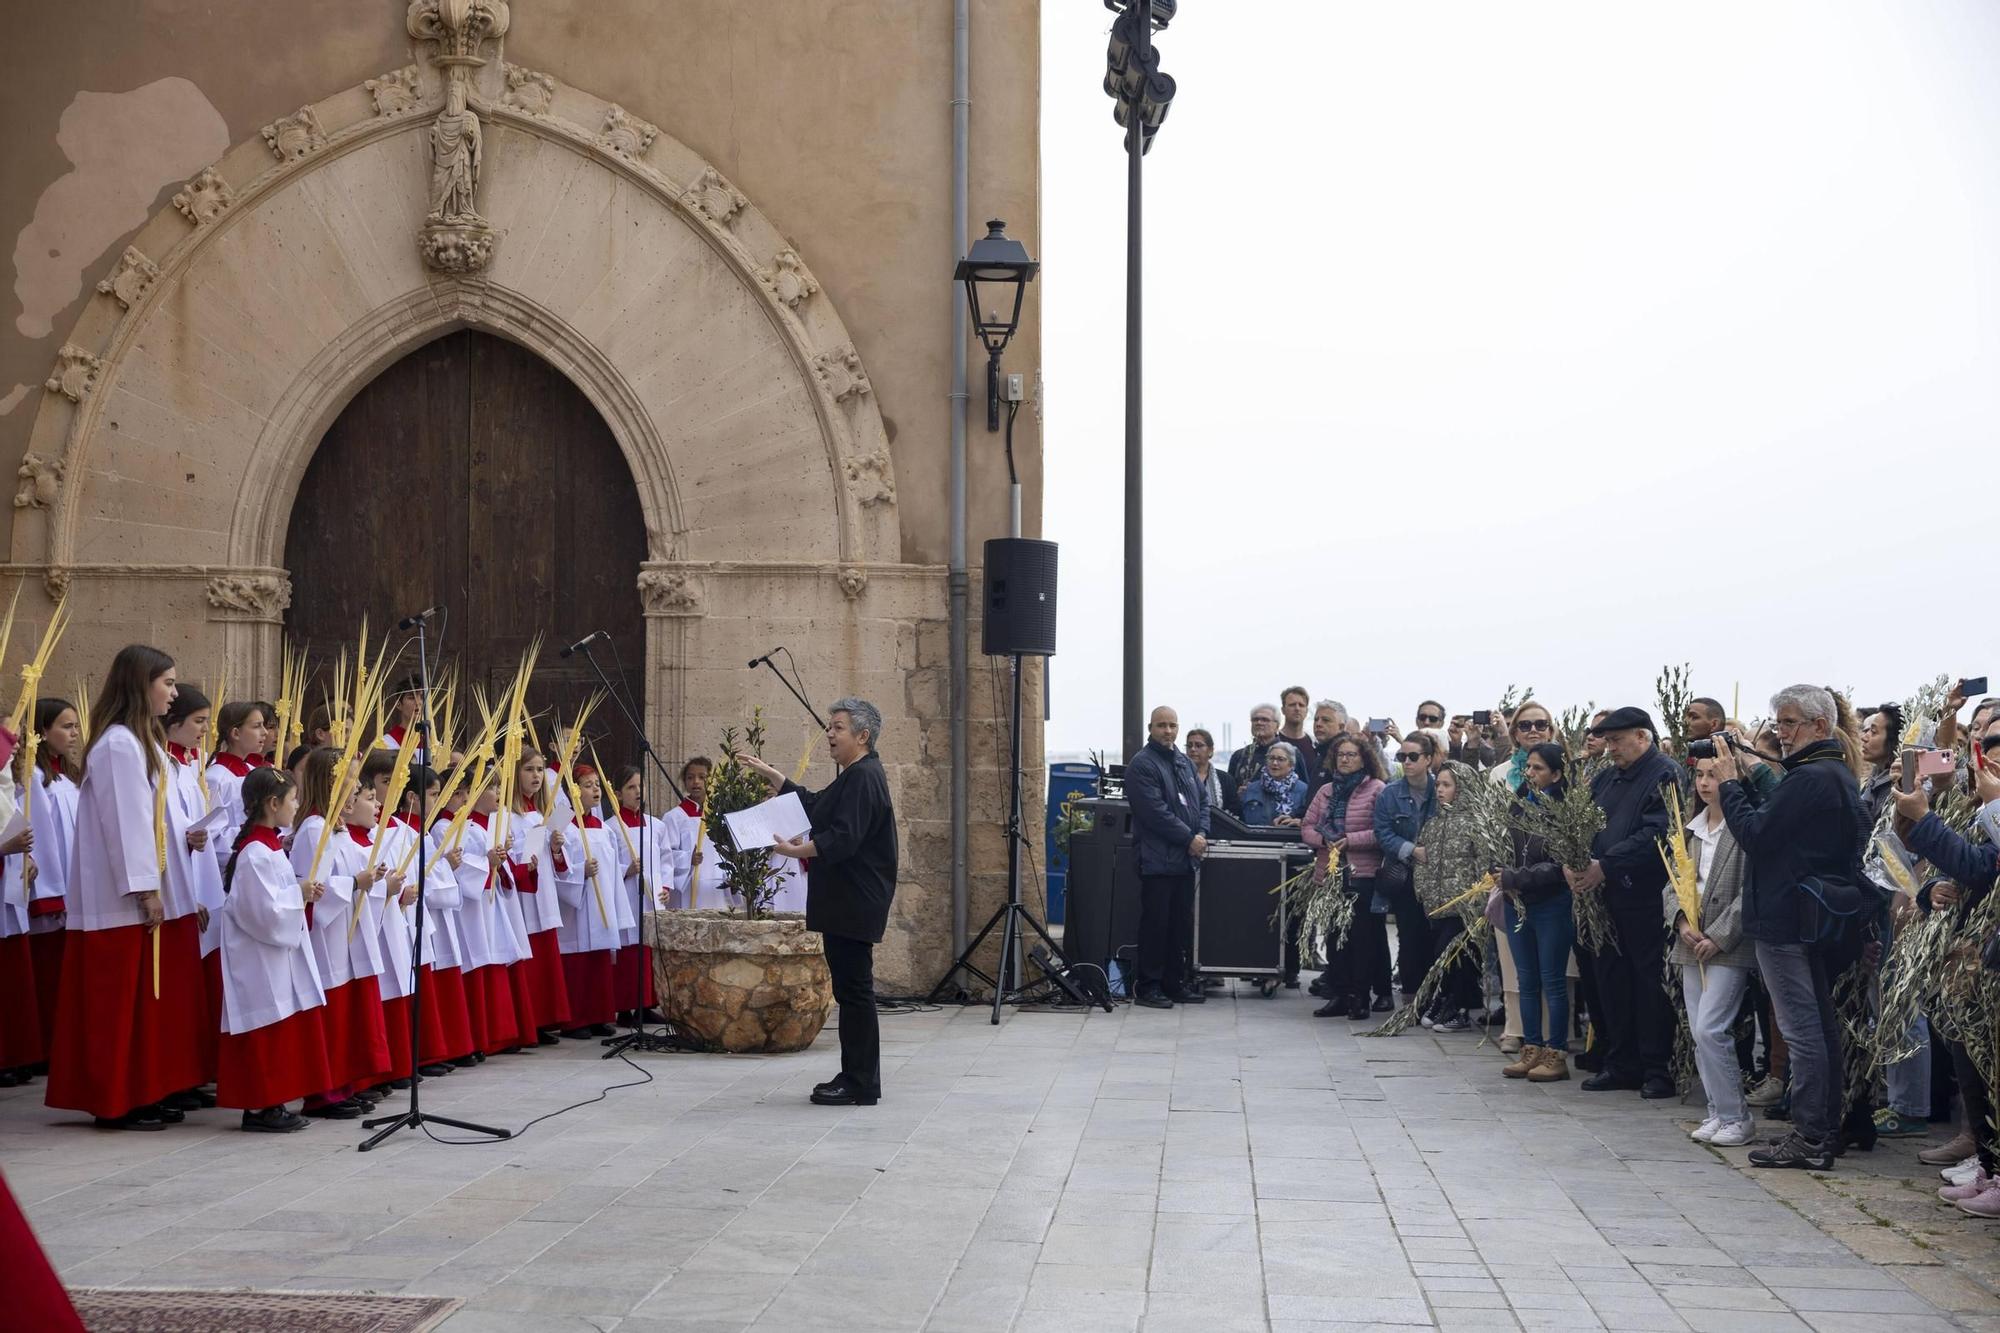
[740,978]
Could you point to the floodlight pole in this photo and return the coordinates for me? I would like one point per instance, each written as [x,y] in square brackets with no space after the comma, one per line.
[1134,702]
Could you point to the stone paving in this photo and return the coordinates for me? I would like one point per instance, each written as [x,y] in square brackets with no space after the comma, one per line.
[1235,1166]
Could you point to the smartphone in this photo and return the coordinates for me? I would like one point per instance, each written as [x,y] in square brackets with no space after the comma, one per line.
[1976,685]
[1482,717]
[1378,726]
[1908,780]
[1936,763]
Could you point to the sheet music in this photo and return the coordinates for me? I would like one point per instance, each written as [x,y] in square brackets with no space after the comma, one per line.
[761,825]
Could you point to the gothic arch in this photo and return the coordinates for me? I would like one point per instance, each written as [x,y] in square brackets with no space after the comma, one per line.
[242,318]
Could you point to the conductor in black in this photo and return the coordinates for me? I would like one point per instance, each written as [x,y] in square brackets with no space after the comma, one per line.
[850,856]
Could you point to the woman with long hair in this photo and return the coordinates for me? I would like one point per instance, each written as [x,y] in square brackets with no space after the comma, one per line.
[193,872]
[1340,823]
[131,1017]
[588,884]
[1539,926]
[540,993]
[650,839]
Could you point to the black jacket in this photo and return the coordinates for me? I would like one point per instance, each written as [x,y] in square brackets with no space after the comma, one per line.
[1811,824]
[852,878]
[1534,877]
[1169,807]
[1634,802]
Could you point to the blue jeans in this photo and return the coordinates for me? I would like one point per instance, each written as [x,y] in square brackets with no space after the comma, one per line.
[1541,938]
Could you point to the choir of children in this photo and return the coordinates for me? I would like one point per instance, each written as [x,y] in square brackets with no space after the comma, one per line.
[180,928]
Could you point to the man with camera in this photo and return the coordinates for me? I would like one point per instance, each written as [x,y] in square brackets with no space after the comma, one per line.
[1803,845]
[1625,867]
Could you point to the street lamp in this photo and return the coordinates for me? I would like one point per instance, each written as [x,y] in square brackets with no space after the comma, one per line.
[1142,94]
[995,264]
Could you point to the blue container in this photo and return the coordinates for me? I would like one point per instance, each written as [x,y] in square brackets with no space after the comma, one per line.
[1065,780]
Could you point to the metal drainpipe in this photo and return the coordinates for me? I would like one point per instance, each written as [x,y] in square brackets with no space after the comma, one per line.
[961,775]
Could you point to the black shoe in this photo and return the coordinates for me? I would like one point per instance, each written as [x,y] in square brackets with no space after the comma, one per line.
[1383,1004]
[435,1071]
[1857,1132]
[1795,1153]
[273,1120]
[1610,1082]
[143,1118]
[834,1084]
[171,1115]
[11,1078]
[400,1084]
[466,1062]
[1152,998]
[603,1030]
[547,1037]
[1335,1007]
[183,1101]
[1318,986]
[1291,983]
[478,1057]
[1186,996]
[347,1110]
[843,1092]
[1657,1089]
[1359,1012]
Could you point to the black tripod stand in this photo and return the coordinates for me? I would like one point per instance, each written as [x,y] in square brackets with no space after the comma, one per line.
[415,1116]
[638,1038]
[1008,985]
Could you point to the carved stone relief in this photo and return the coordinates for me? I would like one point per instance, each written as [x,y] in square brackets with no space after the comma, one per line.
[668,592]
[252,594]
[787,277]
[76,373]
[869,476]
[625,134]
[529,91]
[395,92]
[716,197]
[56,580]
[129,281]
[295,136]
[41,482]
[204,198]
[455,238]
[853,582]
[840,371]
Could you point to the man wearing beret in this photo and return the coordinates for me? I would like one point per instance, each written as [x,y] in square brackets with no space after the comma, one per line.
[1625,867]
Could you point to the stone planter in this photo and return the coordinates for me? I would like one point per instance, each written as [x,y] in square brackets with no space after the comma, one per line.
[740,986]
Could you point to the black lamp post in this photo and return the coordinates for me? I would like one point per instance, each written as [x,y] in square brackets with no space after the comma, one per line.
[996,273]
[1142,94]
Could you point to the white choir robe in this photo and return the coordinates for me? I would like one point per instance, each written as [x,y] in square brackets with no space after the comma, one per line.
[268,969]
[584,928]
[510,916]
[395,923]
[485,925]
[682,831]
[192,876]
[13,897]
[52,814]
[650,840]
[116,857]
[540,910]
[441,895]
[225,788]
[342,955]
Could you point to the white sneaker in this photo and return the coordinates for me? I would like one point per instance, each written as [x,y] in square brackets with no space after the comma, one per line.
[1733,1134]
[1963,1173]
[1703,1132]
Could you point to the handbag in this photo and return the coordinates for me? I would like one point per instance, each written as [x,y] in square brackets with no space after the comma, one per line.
[1393,877]
[1827,910]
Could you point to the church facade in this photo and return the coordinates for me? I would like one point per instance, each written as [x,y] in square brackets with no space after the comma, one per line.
[629,315]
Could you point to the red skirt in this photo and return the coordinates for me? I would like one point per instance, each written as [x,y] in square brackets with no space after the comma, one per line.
[20,1005]
[634,958]
[211,975]
[357,1042]
[447,1027]
[48,951]
[489,1000]
[588,978]
[540,998]
[34,1296]
[396,1028]
[116,1047]
[271,1065]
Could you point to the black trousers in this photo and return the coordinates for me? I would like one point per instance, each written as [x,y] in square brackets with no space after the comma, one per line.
[1637,1017]
[1978,1101]
[1414,954]
[852,963]
[1166,928]
[1462,986]
[1351,968]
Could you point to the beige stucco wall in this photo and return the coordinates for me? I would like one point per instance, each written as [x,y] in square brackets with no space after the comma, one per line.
[833,121]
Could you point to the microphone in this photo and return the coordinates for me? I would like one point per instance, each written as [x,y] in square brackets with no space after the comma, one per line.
[411,622]
[584,643]
[756,662]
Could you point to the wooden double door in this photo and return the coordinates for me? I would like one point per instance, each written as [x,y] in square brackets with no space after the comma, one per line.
[472,474]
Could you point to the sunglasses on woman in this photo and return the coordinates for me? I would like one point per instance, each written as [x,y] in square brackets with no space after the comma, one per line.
[1532,724]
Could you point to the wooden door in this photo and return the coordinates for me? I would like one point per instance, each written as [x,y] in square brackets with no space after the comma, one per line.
[472,473]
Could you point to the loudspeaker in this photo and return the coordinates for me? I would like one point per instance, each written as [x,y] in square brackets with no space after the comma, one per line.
[1020,598]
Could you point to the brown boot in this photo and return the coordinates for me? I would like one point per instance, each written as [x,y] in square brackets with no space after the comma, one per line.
[1529,1058]
[1553,1068]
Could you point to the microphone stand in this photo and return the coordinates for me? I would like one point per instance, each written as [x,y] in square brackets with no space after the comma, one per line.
[415,1116]
[638,1038]
[805,703]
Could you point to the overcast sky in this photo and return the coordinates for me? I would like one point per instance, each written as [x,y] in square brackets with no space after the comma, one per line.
[1537,343]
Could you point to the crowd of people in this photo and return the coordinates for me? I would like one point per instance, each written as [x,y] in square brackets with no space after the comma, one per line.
[1795,916]
[182,929]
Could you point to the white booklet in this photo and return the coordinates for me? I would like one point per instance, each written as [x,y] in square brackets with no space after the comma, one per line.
[763,824]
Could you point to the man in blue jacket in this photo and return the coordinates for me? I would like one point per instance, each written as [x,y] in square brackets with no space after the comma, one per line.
[1811,827]
[1170,834]
[1625,867]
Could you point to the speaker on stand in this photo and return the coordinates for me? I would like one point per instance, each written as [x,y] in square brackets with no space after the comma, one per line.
[1018,620]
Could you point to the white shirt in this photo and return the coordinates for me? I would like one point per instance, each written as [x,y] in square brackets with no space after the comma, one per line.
[1705,839]
[268,969]
[116,856]
[342,954]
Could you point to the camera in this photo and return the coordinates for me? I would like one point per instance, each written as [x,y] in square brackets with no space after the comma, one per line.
[1702,749]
